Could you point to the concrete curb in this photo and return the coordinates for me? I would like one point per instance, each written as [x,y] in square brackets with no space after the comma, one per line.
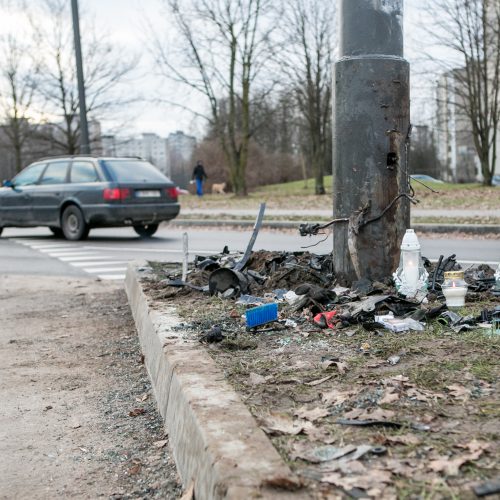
[215,441]
[423,228]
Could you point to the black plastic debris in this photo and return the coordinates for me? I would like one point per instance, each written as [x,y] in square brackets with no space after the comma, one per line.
[224,279]
[213,335]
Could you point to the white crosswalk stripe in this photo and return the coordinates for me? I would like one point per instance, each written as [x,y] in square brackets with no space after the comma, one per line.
[88,260]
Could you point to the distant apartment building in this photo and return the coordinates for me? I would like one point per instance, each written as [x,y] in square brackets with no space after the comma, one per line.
[455,142]
[149,146]
[171,155]
[456,148]
[180,156]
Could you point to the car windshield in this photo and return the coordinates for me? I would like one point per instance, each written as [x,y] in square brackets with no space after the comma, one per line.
[134,171]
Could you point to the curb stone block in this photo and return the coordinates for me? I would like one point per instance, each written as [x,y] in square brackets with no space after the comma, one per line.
[214,439]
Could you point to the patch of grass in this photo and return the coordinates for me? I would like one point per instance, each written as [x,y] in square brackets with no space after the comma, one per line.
[431,377]
[484,369]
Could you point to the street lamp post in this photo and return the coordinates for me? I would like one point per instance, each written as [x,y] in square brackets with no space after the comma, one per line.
[84,129]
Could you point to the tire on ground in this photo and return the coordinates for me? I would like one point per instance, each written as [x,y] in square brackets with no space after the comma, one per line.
[73,224]
[146,231]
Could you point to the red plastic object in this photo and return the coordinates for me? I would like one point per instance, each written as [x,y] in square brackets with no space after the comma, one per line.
[325,319]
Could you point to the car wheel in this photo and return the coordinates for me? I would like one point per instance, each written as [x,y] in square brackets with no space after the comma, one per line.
[56,231]
[146,231]
[74,226]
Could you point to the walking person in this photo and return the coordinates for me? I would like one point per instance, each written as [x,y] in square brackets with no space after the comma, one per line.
[199,175]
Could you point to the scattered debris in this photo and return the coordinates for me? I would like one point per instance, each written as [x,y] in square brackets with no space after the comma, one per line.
[392,373]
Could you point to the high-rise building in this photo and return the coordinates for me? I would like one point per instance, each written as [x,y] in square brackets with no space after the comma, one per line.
[180,157]
[455,142]
[149,146]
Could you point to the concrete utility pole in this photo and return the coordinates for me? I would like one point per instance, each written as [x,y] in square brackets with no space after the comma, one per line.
[371,119]
[84,129]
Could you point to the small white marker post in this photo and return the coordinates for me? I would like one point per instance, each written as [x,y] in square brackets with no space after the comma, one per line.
[185,256]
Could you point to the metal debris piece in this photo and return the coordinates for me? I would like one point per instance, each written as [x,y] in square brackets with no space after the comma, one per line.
[258,223]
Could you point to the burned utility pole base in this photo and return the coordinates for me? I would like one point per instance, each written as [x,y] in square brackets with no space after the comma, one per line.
[371,124]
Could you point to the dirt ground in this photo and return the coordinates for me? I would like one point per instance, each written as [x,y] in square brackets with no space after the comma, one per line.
[361,412]
[77,418]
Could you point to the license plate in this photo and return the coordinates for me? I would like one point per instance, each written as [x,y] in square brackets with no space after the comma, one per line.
[148,193]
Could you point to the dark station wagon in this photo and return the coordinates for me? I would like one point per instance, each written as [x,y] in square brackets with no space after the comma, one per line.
[72,195]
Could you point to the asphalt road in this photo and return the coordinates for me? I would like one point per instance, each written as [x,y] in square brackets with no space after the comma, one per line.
[105,253]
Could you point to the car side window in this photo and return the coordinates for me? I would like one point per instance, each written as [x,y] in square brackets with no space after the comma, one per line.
[55,173]
[83,171]
[29,175]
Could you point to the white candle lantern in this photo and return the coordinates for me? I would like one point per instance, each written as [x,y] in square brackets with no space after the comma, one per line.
[454,289]
[411,276]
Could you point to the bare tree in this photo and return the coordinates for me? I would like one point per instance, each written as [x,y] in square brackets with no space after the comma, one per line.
[471,29]
[224,46]
[105,70]
[19,74]
[308,27]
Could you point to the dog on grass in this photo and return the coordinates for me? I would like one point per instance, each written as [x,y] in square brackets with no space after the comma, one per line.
[219,188]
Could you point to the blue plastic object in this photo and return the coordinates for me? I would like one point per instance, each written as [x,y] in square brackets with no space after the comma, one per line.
[261,315]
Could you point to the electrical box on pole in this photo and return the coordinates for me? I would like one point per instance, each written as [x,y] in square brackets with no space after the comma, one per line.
[371,126]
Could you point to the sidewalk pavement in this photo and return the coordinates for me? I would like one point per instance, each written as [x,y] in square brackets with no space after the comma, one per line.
[419,212]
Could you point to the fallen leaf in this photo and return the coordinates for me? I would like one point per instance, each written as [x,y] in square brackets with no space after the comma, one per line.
[142,398]
[136,412]
[378,414]
[458,392]
[319,381]
[399,467]
[312,415]
[353,467]
[335,397]
[160,444]
[389,396]
[256,379]
[135,469]
[403,439]
[451,467]
[355,413]
[281,424]
[398,380]
[370,479]
[474,446]
[189,493]
[319,434]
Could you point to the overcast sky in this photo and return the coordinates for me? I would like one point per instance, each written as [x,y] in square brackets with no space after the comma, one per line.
[125,21]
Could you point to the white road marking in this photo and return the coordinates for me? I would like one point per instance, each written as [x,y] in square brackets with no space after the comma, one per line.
[99,263]
[152,250]
[77,258]
[75,253]
[105,269]
[40,247]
